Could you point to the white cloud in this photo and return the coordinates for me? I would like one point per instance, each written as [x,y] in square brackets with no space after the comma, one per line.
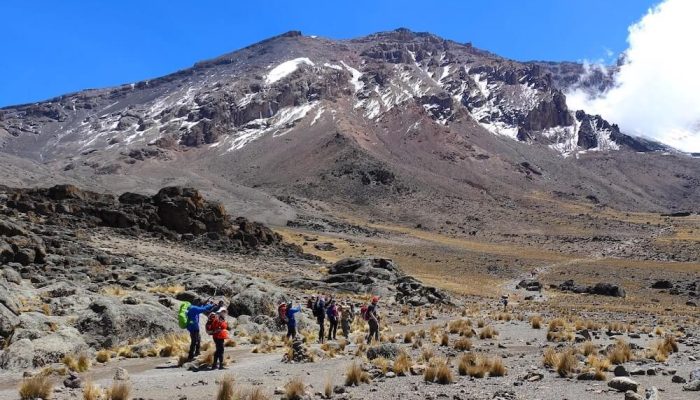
[657,89]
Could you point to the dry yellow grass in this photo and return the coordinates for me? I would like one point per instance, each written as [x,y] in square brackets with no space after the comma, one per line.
[328,388]
[427,353]
[402,364]
[355,375]
[443,372]
[36,387]
[226,390]
[92,391]
[567,363]
[171,290]
[588,348]
[409,336]
[496,367]
[536,322]
[463,344]
[458,326]
[294,389]
[120,390]
[116,291]
[382,364]
[620,353]
[488,332]
[550,358]
[445,340]
[103,356]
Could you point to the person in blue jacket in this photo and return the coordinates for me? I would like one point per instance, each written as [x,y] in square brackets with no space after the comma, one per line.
[193,314]
[291,320]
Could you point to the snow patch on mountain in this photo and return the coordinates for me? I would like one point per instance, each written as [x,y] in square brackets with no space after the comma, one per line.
[356,75]
[286,68]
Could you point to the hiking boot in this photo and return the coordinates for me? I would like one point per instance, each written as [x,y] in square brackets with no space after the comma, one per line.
[222,367]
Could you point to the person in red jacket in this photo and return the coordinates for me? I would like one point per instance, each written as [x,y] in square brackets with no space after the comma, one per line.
[218,328]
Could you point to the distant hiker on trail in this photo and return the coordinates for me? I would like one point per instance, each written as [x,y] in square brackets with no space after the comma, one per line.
[319,311]
[217,327]
[347,312]
[332,313]
[504,302]
[291,320]
[193,313]
[372,317]
[533,272]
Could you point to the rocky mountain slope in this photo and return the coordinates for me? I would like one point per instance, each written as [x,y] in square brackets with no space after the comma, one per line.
[394,116]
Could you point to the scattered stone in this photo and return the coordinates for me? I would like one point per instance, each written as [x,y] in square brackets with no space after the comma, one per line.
[630,395]
[651,393]
[623,384]
[620,370]
[120,374]
[73,381]
[678,379]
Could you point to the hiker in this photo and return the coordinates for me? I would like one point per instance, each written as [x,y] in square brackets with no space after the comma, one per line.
[193,313]
[319,312]
[372,317]
[504,301]
[332,313]
[291,320]
[347,312]
[218,329]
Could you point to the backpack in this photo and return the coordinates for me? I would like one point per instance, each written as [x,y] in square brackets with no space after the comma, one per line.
[364,312]
[209,326]
[182,319]
[282,312]
[318,309]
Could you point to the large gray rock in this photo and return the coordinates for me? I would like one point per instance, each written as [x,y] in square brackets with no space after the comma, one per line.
[623,384]
[108,322]
[8,321]
[10,274]
[693,386]
[51,348]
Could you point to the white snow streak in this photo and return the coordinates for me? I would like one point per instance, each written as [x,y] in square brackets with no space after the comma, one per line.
[285,69]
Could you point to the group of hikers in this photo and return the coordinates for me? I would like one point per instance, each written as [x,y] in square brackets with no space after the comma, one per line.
[216,326]
[326,307]
[322,308]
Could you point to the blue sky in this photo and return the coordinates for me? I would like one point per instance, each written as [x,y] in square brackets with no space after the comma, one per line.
[53,47]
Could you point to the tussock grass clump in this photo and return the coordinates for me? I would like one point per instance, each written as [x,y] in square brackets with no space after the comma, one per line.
[465,361]
[445,340]
[443,373]
[496,367]
[427,353]
[588,348]
[660,350]
[328,388]
[480,323]
[120,390]
[226,390]
[116,291]
[355,375]
[402,364]
[294,389]
[430,373]
[567,363]
[556,324]
[463,344]
[92,392]
[536,322]
[103,356]
[620,353]
[81,363]
[409,336]
[504,317]
[382,364]
[550,358]
[171,290]
[459,325]
[36,387]
[488,332]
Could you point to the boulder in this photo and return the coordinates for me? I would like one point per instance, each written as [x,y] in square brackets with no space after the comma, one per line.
[662,284]
[531,285]
[651,393]
[623,384]
[385,350]
[18,356]
[630,395]
[8,321]
[108,322]
[693,386]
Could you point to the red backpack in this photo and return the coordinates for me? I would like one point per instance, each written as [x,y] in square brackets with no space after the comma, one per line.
[282,312]
[364,313]
[209,326]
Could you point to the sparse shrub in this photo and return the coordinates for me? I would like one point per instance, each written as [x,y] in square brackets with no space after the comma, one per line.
[382,364]
[480,323]
[294,389]
[83,363]
[465,361]
[226,388]
[36,387]
[408,337]
[555,325]
[328,388]
[550,358]
[103,356]
[463,344]
[427,353]
[120,390]
[620,353]
[536,322]
[430,373]
[402,363]
[443,373]
[567,363]
[588,348]
[92,392]
[355,375]
[445,340]
[496,367]
[488,332]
